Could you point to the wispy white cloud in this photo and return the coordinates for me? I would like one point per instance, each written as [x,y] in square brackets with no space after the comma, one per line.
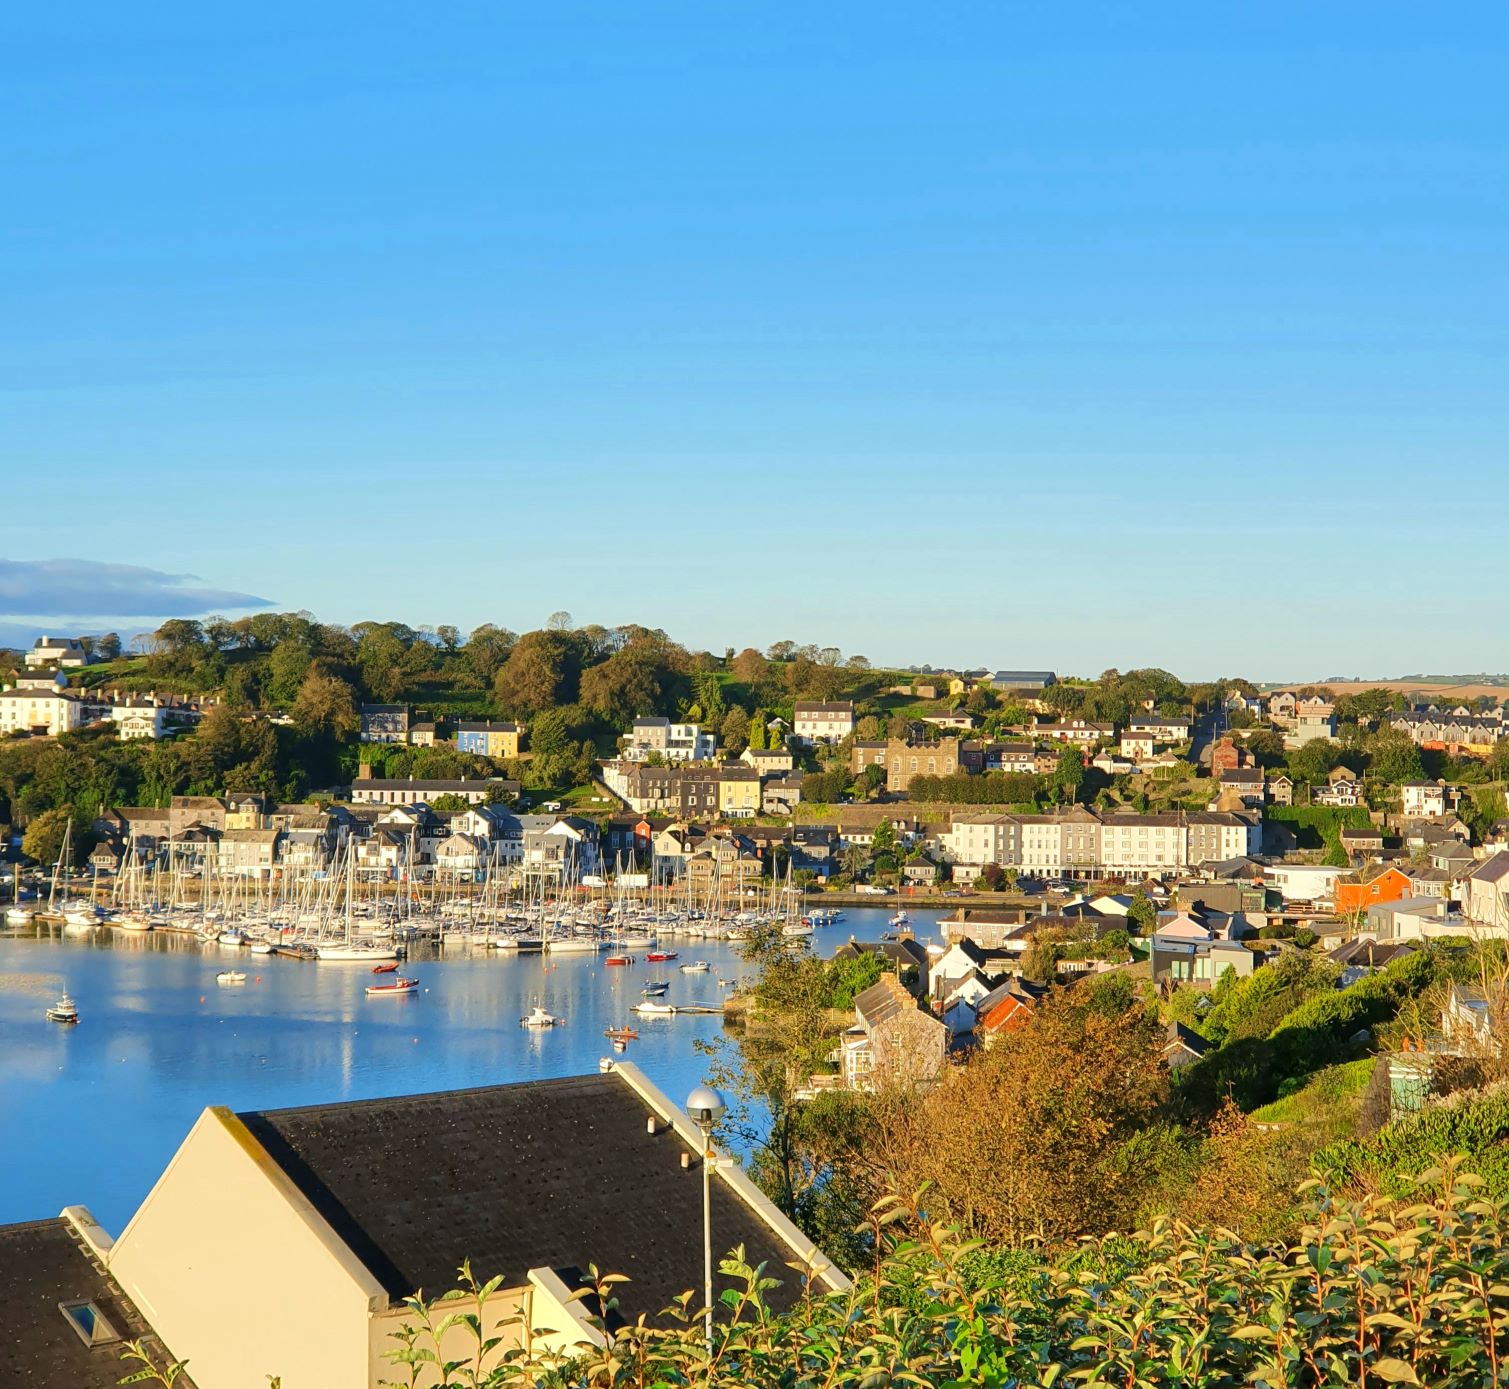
[91,589]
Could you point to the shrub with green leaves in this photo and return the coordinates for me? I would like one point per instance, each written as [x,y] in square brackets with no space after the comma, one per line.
[1377,1291]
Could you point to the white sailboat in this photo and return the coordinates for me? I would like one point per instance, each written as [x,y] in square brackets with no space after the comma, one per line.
[348,948]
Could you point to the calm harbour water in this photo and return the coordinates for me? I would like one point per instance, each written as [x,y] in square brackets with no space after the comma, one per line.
[92,1114]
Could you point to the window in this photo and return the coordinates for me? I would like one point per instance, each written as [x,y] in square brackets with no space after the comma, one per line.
[93,1326]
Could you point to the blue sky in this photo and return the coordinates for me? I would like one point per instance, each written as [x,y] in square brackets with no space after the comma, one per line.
[1014,334]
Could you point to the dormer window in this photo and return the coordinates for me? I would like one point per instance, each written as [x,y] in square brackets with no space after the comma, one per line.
[86,1318]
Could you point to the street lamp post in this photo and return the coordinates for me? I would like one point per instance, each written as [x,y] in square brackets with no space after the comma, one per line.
[705,1107]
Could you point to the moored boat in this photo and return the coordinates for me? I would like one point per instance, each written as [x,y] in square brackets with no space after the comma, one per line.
[619,960]
[392,990]
[653,1010]
[64,1011]
[228,977]
[390,968]
[695,967]
[656,957]
[538,1019]
[342,950]
[655,988]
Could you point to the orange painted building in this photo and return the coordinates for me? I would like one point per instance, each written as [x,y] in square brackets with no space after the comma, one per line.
[1387,885]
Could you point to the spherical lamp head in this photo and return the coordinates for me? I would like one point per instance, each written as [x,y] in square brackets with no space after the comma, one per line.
[705,1106]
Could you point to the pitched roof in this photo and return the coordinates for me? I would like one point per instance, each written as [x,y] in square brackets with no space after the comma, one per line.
[1493,869]
[883,1001]
[41,1265]
[557,1174]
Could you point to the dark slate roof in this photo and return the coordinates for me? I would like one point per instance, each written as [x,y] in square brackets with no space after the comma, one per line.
[556,1174]
[41,1265]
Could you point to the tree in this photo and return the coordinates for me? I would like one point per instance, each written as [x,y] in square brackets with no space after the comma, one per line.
[1266,747]
[380,653]
[1315,760]
[559,621]
[757,730]
[1021,1142]
[326,705]
[1394,758]
[108,647]
[734,731]
[541,672]
[750,668]
[219,736]
[1142,915]
[286,669]
[180,634]
[486,649]
[450,805]
[1069,775]
[883,846]
[43,839]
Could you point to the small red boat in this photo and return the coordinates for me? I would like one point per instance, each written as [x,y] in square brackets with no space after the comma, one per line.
[621,1034]
[657,956]
[619,960]
[398,986]
[390,968]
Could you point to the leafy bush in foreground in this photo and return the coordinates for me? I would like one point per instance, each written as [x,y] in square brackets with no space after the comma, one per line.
[1373,1292]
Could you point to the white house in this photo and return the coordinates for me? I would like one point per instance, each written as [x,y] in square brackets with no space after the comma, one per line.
[1423,799]
[50,711]
[675,742]
[139,718]
[57,651]
[1303,882]
[819,721]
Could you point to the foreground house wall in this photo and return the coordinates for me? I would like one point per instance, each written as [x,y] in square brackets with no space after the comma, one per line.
[241,1276]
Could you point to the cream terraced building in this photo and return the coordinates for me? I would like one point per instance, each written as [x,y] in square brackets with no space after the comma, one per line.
[1081,842]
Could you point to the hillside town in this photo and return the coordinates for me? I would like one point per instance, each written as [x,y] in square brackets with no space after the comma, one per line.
[1267,813]
[1291,898]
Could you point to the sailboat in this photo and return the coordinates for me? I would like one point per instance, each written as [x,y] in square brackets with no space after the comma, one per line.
[79,917]
[348,948]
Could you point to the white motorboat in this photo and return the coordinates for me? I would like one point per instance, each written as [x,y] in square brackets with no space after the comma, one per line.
[231,937]
[395,988]
[695,967]
[80,918]
[64,1010]
[260,947]
[575,945]
[653,1010]
[229,977]
[538,1019]
[899,920]
[19,916]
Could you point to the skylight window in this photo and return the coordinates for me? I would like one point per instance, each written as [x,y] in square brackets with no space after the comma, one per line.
[93,1326]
